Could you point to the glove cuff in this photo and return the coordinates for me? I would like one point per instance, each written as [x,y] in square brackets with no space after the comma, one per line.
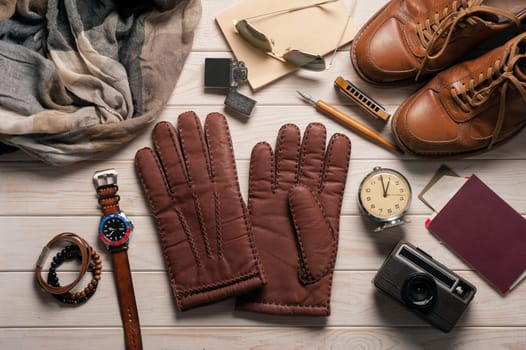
[189,298]
[283,309]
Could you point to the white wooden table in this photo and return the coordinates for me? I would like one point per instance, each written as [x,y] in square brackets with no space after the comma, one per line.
[39,201]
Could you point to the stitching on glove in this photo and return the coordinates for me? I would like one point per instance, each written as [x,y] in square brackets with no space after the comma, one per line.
[279,155]
[255,255]
[162,232]
[329,285]
[188,235]
[306,276]
[202,226]
[216,285]
[248,228]
[250,234]
[210,151]
[324,306]
[329,152]
[161,155]
[251,170]
[219,225]
[304,142]
[180,215]
[328,163]
[203,148]
[217,201]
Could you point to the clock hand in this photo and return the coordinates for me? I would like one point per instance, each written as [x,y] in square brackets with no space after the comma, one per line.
[387,187]
[383,185]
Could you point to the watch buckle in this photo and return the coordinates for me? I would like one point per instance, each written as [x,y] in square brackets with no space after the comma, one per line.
[105,177]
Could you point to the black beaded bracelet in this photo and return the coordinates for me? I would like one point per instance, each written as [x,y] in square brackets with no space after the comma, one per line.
[71,252]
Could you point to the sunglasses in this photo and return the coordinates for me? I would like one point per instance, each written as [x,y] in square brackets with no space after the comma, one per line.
[294,57]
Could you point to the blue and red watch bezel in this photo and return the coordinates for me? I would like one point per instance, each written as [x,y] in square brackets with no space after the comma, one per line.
[126,236]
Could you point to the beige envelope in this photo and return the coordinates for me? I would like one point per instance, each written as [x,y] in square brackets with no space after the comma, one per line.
[315,30]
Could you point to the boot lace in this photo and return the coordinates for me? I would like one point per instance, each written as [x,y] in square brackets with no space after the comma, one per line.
[444,24]
[499,76]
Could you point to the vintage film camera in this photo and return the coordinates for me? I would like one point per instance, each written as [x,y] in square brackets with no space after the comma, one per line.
[425,286]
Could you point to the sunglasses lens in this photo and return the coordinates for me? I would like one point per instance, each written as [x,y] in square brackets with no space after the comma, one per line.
[253,36]
[305,60]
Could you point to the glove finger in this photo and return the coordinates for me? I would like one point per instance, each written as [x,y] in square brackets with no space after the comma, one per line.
[172,226]
[287,156]
[202,207]
[229,205]
[198,210]
[317,241]
[261,175]
[312,154]
[193,146]
[334,176]
[221,151]
[157,191]
[169,152]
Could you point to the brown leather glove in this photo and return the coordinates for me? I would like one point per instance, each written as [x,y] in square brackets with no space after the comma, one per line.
[294,200]
[191,183]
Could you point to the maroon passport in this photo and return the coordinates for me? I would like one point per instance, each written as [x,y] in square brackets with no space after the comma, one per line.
[484,231]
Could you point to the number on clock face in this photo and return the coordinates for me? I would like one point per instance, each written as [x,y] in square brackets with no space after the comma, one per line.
[384,194]
[114,229]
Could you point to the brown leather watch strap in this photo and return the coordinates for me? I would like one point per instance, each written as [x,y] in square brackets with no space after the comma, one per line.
[105,182]
[127,304]
[109,199]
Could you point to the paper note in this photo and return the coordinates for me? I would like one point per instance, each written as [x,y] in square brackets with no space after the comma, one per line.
[443,189]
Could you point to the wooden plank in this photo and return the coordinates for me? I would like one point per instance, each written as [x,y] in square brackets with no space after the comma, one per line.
[39,201]
[190,86]
[355,302]
[22,239]
[264,126]
[32,188]
[210,338]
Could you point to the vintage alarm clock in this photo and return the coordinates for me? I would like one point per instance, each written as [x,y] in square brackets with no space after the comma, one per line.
[384,196]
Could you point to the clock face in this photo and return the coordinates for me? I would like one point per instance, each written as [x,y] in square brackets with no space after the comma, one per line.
[385,194]
[114,230]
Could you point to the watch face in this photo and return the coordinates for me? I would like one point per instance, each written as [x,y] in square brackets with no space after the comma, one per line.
[114,229]
[385,194]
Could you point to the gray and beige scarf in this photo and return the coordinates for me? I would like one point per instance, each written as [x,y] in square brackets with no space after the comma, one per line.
[82,77]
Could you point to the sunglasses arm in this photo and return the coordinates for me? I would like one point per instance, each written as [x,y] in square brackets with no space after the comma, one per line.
[275,56]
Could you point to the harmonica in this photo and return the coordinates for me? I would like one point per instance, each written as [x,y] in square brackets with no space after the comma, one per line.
[351,91]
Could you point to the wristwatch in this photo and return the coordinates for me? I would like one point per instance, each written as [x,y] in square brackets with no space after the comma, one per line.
[114,230]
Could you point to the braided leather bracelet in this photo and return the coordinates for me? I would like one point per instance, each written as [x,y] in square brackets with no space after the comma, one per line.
[68,253]
[78,249]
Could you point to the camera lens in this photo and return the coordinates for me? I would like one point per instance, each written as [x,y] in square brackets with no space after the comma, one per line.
[420,291]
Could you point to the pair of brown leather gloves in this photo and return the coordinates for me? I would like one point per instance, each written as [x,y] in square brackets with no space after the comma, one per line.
[278,256]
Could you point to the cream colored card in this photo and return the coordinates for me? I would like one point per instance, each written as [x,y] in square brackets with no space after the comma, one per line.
[315,30]
[443,190]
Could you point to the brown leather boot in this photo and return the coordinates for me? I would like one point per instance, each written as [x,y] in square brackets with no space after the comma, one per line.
[469,107]
[410,39]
